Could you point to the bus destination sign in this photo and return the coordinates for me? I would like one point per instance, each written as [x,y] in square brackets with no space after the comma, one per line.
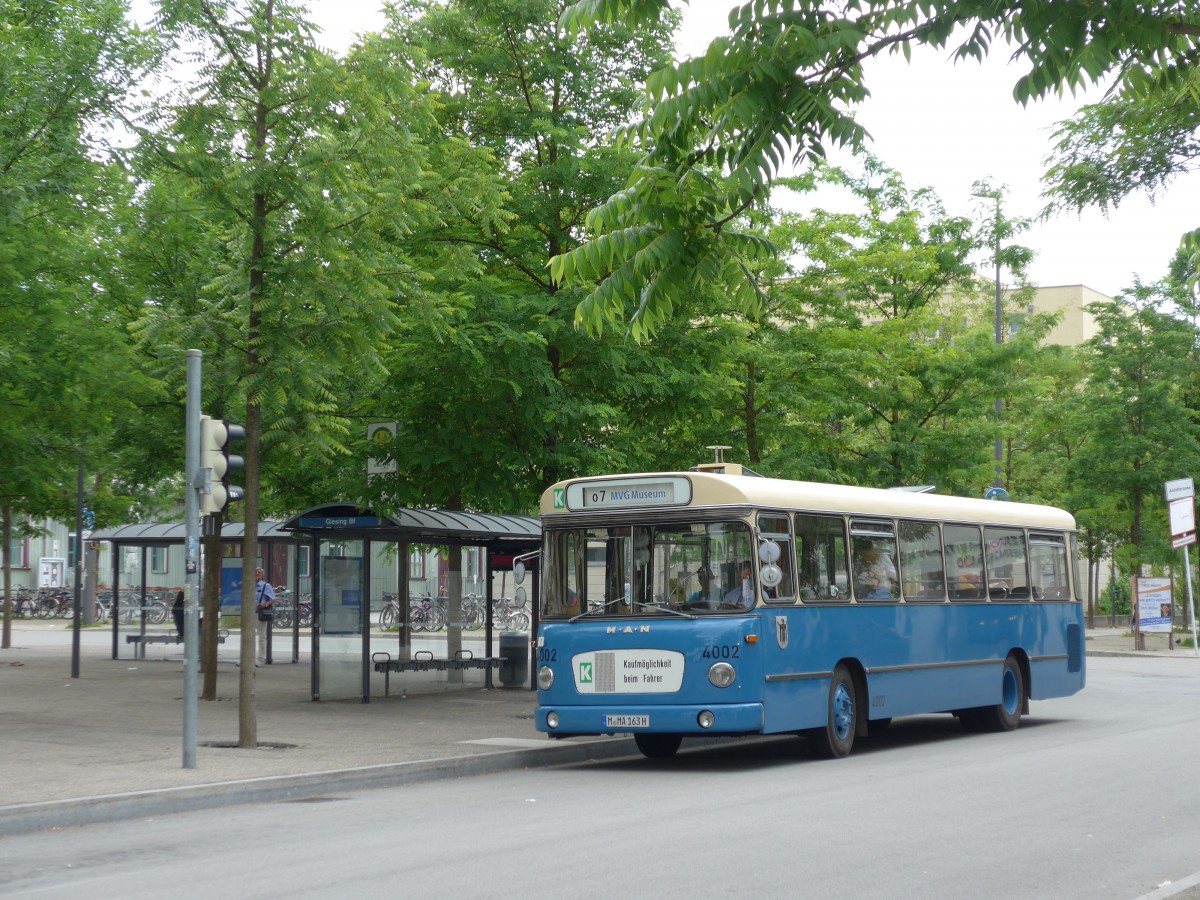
[629,493]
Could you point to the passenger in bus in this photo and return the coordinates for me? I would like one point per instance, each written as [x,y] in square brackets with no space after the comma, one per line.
[877,574]
[743,593]
[709,592]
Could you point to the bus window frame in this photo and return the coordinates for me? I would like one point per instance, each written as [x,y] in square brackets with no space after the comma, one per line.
[886,529]
[981,591]
[844,595]
[788,566]
[941,549]
[996,582]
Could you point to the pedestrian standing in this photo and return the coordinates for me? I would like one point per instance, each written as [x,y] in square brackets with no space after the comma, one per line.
[264,606]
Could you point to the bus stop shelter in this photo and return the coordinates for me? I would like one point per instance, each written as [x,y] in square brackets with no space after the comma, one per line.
[276,549]
[361,558]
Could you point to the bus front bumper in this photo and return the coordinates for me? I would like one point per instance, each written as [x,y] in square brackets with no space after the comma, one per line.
[732,718]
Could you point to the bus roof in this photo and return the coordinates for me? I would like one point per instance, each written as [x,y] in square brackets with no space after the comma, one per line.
[709,489]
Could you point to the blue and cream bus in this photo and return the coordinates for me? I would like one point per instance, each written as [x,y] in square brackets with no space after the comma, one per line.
[718,602]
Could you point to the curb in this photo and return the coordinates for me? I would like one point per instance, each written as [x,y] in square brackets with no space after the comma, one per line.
[30,817]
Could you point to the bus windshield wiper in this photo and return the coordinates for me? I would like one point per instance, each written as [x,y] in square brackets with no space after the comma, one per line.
[602,607]
[664,608]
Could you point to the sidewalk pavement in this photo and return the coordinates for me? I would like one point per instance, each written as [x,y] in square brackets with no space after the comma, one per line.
[109,744]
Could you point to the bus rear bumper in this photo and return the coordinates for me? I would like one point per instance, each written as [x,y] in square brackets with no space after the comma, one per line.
[731,718]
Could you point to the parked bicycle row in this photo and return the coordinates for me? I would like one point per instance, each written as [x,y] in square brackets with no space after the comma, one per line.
[426,613]
[52,603]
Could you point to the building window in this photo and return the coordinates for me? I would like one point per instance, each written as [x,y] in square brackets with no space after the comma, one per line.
[18,553]
[158,560]
[304,556]
[416,564]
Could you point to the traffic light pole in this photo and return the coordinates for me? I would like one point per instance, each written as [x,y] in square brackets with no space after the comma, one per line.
[191,636]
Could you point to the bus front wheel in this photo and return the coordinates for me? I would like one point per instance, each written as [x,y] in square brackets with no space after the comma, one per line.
[835,740]
[657,746]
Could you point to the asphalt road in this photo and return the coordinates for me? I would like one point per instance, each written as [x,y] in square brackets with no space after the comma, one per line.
[1094,797]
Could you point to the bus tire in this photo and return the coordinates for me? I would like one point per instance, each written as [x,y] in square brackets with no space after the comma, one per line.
[657,746]
[835,740]
[1006,715]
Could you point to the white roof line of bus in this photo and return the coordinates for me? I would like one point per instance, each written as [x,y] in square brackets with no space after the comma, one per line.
[782,493]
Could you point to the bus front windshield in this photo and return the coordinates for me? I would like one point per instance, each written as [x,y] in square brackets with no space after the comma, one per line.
[698,568]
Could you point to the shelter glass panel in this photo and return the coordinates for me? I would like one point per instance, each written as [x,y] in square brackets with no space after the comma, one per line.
[340,619]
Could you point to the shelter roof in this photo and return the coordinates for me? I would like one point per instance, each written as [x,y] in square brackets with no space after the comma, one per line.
[175,533]
[420,526]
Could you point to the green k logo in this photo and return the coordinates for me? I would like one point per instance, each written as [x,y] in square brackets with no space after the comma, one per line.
[585,673]
[560,498]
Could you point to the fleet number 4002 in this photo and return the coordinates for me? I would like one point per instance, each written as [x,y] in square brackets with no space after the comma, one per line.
[722,651]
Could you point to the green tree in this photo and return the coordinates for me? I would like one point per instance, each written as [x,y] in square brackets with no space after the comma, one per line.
[64,67]
[877,349]
[296,171]
[496,393]
[1141,431]
[785,81]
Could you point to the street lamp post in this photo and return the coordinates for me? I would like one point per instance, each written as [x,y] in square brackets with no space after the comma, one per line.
[995,195]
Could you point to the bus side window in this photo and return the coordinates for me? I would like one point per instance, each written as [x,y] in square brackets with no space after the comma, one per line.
[873,545]
[775,550]
[964,560]
[1048,566]
[1007,574]
[922,567]
[822,557]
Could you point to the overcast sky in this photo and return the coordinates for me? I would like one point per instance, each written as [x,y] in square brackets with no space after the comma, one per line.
[947,125]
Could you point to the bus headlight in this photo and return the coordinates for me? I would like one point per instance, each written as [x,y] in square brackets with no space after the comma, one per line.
[721,674]
[545,678]
[706,719]
[551,720]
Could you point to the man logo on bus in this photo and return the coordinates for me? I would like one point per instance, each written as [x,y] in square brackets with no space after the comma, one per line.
[585,673]
[560,498]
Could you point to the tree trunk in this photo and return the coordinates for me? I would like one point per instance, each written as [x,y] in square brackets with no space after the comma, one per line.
[211,612]
[6,535]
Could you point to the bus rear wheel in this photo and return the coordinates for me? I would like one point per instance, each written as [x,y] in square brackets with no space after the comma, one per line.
[835,740]
[658,746]
[1006,715]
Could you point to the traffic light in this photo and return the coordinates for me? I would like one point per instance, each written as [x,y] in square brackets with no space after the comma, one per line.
[216,463]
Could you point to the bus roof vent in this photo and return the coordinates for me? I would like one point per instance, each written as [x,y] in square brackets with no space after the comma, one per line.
[720,467]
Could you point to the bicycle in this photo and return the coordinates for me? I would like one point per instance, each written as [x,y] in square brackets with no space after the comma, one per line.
[508,615]
[53,603]
[155,611]
[286,608]
[24,605]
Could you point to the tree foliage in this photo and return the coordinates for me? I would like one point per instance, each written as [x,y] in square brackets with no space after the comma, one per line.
[784,82]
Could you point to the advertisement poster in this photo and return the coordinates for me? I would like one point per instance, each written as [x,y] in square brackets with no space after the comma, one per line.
[1154,599]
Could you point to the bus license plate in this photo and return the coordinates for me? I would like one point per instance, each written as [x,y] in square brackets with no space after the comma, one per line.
[626,721]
